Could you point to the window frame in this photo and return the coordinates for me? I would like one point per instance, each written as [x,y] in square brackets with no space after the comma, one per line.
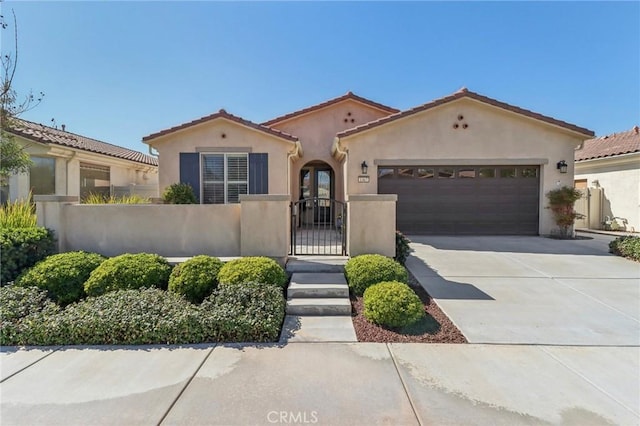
[226,181]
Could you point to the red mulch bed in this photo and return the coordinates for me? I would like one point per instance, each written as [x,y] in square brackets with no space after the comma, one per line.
[436,327]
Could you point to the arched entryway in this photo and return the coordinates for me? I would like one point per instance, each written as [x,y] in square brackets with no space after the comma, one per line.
[317,181]
[317,219]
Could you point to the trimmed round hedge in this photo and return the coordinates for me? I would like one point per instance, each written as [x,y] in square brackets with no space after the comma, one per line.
[128,271]
[196,278]
[252,269]
[62,275]
[368,269]
[392,304]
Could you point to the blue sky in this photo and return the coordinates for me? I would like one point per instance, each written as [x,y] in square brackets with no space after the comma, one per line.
[118,71]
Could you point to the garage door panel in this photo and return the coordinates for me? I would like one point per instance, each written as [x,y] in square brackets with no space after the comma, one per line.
[466,206]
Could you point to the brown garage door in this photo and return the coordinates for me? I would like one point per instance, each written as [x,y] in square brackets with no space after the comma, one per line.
[455,200]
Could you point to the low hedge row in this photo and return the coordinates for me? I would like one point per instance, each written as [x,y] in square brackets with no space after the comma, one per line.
[236,313]
[627,246]
[21,248]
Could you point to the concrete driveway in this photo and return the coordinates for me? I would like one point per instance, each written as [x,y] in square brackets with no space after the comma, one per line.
[532,290]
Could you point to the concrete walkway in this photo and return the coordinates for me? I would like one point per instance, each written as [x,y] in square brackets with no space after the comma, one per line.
[532,290]
[321,383]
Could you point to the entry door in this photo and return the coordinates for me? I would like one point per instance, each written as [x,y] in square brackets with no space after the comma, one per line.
[316,185]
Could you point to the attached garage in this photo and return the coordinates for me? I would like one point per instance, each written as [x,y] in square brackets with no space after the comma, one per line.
[464,200]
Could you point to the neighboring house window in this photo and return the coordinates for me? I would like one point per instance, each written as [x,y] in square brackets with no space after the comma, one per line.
[224,178]
[42,176]
[94,179]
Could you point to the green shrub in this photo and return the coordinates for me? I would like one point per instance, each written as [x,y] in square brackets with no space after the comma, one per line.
[248,312]
[179,193]
[127,317]
[18,214]
[627,246]
[392,304]
[62,275]
[561,202]
[23,311]
[252,269]
[21,248]
[128,271]
[196,278]
[402,248]
[368,269]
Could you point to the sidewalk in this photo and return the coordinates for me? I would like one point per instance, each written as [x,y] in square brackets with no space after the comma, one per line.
[321,383]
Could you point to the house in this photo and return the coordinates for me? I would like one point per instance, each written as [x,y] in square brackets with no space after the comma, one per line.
[66,163]
[461,164]
[608,170]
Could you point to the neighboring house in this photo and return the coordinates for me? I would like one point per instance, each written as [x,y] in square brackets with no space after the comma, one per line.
[462,164]
[65,163]
[611,165]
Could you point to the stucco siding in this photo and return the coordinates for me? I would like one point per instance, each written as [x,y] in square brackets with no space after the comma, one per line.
[620,183]
[316,131]
[491,136]
[222,136]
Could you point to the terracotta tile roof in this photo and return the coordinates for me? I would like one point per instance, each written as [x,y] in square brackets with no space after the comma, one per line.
[464,93]
[348,95]
[45,134]
[611,145]
[222,114]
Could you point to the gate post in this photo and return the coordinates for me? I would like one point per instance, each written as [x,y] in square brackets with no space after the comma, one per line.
[264,225]
[371,227]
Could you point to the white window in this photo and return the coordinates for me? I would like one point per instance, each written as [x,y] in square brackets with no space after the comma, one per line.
[224,178]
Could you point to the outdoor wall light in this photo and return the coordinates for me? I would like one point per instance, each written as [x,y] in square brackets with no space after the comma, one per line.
[562,166]
[364,167]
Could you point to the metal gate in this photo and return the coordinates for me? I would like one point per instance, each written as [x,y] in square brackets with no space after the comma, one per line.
[318,227]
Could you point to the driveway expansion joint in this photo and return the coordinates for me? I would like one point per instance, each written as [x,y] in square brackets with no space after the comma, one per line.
[53,349]
[586,379]
[184,388]
[404,385]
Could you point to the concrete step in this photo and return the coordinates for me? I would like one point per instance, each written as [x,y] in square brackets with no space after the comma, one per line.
[322,285]
[318,306]
[317,291]
[317,329]
[316,263]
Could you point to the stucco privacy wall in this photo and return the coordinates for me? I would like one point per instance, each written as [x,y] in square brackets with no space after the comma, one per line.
[316,131]
[221,135]
[619,179]
[168,230]
[493,136]
[371,224]
[265,225]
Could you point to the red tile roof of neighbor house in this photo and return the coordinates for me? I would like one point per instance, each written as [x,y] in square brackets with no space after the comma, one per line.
[347,96]
[45,134]
[611,145]
[223,114]
[464,93]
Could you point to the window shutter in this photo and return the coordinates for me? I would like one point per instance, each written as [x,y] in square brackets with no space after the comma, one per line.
[190,171]
[258,173]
